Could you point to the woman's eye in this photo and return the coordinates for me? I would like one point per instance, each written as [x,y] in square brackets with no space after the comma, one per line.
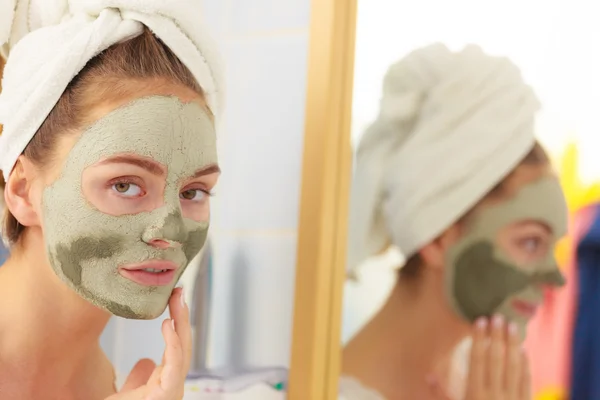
[192,195]
[127,189]
[531,245]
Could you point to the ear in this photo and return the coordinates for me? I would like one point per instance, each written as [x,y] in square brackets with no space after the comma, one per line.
[434,253]
[18,193]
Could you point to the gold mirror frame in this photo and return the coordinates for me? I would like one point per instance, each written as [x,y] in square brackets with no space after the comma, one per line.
[322,231]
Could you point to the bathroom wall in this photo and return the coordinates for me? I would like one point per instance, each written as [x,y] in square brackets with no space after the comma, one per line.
[255,210]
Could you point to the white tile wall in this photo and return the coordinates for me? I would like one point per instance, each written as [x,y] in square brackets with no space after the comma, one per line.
[255,211]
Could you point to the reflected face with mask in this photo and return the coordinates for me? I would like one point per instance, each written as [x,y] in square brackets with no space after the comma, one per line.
[504,255]
[130,207]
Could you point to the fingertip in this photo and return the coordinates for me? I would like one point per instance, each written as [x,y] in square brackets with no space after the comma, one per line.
[177,303]
[498,322]
[480,329]
[513,330]
[481,324]
[166,328]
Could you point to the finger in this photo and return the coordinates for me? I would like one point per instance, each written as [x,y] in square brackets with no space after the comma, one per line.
[477,372]
[154,379]
[180,312]
[525,377]
[496,354]
[172,374]
[513,363]
[139,374]
[140,393]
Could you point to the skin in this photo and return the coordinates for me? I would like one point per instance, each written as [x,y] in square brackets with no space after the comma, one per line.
[402,349]
[477,292]
[49,343]
[498,366]
[135,177]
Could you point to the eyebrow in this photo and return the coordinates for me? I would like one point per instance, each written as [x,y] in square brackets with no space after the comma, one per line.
[210,169]
[153,167]
[537,222]
[156,169]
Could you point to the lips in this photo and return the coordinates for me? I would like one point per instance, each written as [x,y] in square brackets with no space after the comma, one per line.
[150,273]
[525,308]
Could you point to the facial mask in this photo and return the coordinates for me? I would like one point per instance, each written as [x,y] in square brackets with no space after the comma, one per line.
[85,246]
[482,279]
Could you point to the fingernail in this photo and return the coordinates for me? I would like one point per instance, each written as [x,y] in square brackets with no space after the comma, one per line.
[173,324]
[513,330]
[481,323]
[182,297]
[498,321]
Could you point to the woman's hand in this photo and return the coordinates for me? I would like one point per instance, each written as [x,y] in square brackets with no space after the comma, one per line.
[166,381]
[499,369]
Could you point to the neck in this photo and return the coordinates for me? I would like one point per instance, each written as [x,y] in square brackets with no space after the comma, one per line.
[47,332]
[411,337]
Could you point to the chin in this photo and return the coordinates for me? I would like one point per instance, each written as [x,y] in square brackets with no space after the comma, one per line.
[143,309]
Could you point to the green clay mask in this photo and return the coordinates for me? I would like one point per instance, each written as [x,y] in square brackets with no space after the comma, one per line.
[85,246]
[482,279]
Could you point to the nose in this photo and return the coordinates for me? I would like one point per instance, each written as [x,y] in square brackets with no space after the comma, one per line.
[163,244]
[168,230]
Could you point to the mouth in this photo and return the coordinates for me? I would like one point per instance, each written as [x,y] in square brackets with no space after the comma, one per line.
[525,308]
[150,273]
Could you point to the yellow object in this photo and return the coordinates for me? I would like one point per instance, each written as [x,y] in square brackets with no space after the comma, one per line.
[577,193]
[552,394]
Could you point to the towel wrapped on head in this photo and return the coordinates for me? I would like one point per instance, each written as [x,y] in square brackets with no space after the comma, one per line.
[451,126]
[48,42]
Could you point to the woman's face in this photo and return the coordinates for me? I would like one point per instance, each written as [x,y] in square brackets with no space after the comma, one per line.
[505,256]
[127,208]
[526,241]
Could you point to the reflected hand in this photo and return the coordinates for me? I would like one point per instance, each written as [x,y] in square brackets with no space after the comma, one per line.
[499,369]
[166,381]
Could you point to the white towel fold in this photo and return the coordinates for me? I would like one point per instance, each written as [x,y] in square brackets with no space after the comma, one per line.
[49,41]
[451,126]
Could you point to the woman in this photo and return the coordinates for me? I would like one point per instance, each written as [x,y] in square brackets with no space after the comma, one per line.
[451,174]
[108,151]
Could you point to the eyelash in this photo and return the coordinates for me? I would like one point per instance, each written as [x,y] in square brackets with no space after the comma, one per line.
[133,181]
[539,241]
[127,180]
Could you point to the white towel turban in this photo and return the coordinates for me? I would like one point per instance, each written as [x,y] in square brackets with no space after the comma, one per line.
[48,42]
[451,126]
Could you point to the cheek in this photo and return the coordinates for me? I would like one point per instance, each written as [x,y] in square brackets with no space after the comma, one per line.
[196,211]
[510,245]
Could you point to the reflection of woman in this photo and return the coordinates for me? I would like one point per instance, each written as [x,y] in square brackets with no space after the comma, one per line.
[109,155]
[451,174]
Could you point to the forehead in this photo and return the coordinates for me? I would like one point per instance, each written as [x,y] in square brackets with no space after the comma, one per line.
[541,200]
[159,127]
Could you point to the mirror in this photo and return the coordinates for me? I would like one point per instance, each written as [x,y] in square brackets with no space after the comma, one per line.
[399,331]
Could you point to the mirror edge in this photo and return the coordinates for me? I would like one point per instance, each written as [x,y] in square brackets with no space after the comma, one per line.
[324,201]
